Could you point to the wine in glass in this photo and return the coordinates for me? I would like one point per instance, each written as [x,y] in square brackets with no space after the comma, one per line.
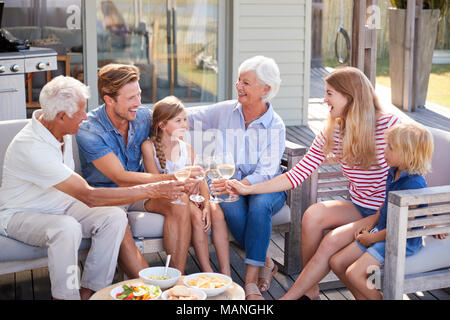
[200,163]
[226,170]
[182,173]
[213,174]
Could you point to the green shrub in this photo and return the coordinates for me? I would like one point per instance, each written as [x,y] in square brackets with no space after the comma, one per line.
[442,5]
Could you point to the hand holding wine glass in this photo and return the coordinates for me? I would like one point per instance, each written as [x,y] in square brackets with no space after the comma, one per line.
[182,173]
[199,162]
[213,174]
[226,170]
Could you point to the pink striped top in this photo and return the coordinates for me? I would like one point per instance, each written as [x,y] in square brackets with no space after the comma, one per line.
[367,187]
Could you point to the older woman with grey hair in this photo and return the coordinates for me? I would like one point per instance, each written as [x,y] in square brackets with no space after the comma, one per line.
[254,134]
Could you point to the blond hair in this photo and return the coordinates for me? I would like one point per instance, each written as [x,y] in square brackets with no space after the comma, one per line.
[357,126]
[414,143]
[164,110]
[113,76]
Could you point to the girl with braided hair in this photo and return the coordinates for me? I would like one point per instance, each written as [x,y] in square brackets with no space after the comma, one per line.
[162,153]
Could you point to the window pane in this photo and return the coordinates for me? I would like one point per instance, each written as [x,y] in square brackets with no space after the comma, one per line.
[174,44]
[54,24]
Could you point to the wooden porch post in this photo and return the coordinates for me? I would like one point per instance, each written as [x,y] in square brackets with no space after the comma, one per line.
[413,12]
[364,40]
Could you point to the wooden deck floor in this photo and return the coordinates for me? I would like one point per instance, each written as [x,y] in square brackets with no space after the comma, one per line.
[35,284]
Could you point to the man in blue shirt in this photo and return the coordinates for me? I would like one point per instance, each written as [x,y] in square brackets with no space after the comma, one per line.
[110,155]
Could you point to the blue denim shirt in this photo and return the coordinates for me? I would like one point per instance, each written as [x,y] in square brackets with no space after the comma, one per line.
[97,137]
[404,182]
[257,150]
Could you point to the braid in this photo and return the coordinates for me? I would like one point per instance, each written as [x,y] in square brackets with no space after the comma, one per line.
[159,151]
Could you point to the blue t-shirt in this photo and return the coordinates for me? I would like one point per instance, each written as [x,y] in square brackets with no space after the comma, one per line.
[404,182]
[97,137]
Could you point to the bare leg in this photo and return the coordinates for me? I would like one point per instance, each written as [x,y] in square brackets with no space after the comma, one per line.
[220,238]
[316,253]
[131,260]
[340,262]
[200,239]
[357,276]
[177,229]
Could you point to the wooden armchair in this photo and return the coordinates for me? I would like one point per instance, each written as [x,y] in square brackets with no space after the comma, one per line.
[325,183]
[431,263]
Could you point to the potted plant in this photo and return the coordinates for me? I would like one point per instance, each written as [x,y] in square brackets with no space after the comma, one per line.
[425,35]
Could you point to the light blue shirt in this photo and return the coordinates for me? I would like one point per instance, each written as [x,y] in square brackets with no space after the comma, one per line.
[257,150]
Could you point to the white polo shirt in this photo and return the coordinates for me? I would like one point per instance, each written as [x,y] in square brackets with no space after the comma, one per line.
[34,163]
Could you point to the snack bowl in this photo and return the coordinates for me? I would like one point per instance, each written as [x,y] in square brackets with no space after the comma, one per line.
[211,283]
[200,294]
[142,291]
[173,274]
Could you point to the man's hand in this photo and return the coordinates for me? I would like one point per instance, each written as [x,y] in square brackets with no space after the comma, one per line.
[191,185]
[165,189]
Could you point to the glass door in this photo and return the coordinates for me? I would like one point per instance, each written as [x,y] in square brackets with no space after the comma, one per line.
[173,43]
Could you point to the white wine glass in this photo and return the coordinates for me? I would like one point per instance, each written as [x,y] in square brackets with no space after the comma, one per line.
[226,170]
[182,173]
[213,174]
[199,162]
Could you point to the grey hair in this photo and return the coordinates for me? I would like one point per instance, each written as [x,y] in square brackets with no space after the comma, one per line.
[62,94]
[267,71]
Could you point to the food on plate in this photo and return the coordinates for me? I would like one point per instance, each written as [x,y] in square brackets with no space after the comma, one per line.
[207,282]
[138,292]
[158,277]
[180,292]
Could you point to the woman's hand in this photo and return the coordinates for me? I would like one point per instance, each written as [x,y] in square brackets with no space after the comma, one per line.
[196,171]
[206,218]
[237,187]
[219,187]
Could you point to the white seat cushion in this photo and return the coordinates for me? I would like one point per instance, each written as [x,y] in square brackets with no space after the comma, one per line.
[150,225]
[13,250]
[434,255]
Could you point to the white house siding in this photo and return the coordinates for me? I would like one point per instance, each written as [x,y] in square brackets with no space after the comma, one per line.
[280,30]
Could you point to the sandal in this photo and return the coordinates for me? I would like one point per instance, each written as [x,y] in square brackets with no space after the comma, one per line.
[252,289]
[265,275]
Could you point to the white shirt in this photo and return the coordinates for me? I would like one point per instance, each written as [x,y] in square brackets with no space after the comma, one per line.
[34,163]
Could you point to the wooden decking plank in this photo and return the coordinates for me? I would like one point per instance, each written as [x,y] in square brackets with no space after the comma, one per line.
[7,287]
[424,295]
[24,285]
[346,293]
[41,284]
[237,263]
[441,294]
[334,294]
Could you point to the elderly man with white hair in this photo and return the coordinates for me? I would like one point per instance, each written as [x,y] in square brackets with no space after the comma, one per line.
[44,203]
[254,134]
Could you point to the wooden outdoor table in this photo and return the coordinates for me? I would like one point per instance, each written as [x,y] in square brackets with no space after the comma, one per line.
[234,291]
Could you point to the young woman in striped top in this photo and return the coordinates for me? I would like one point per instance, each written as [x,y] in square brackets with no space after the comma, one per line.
[353,136]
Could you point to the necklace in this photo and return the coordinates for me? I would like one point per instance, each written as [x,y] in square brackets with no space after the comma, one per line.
[257,117]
